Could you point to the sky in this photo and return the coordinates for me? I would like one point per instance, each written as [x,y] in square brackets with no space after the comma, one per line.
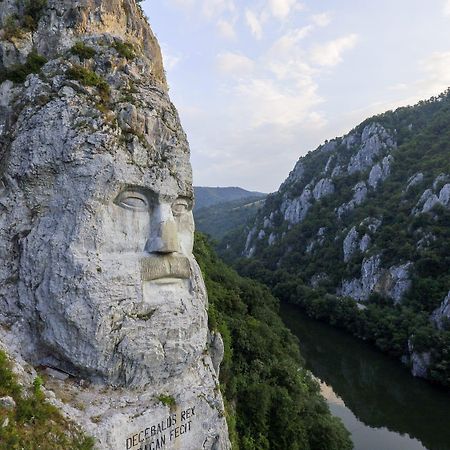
[259,83]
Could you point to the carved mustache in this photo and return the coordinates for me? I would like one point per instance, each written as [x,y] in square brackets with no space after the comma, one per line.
[157,267]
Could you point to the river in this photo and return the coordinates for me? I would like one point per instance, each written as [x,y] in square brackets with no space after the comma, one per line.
[380,403]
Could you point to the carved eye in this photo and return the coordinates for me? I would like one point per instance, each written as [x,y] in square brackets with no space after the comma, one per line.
[132,200]
[180,207]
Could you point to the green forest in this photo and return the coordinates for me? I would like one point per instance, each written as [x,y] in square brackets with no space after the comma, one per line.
[272,402]
[287,267]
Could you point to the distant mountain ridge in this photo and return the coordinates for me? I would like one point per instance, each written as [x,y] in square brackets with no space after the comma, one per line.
[219,219]
[359,235]
[208,196]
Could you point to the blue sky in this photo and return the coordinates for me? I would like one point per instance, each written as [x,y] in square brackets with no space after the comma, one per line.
[258,83]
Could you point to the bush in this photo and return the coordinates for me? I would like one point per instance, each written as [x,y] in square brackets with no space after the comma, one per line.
[125,49]
[34,423]
[83,51]
[89,78]
[19,72]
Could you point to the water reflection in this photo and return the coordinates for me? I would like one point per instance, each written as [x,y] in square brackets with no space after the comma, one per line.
[378,391]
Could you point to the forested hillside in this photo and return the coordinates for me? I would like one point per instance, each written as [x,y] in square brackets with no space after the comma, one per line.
[359,235]
[219,219]
[272,402]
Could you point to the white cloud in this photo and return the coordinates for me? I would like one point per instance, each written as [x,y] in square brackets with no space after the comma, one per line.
[211,9]
[447,8]
[226,29]
[437,69]
[330,53]
[235,64]
[215,8]
[322,20]
[282,8]
[254,23]
[170,59]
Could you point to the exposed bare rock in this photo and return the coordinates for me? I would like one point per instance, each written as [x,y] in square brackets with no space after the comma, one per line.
[359,196]
[295,210]
[414,180]
[323,188]
[350,244]
[375,139]
[441,315]
[380,172]
[97,275]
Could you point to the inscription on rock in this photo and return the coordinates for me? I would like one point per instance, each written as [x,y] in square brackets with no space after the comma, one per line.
[164,433]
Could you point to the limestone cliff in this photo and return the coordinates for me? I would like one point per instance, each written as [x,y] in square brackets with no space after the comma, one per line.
[98,284]
[362,221]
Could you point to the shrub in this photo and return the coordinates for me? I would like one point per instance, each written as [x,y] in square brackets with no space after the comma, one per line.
[19,72]
[125,49]
[83,51]
[89,78]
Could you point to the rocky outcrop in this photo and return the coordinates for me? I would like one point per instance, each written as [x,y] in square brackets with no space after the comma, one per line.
[391,283]
[295,210]
[441,315]
[323,188]
[437,195]
[375,139]
[380,172]
[97,276]
[360,192]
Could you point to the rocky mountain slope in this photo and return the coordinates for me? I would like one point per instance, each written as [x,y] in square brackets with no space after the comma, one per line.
[359,235]
[210,196]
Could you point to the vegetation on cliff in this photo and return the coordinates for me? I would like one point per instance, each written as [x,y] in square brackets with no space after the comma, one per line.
[28,421]
[272,401]
[401,223]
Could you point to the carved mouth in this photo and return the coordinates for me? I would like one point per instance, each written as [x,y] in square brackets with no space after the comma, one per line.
[161,267]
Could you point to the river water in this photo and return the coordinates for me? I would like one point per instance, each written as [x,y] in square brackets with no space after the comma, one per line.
[380,403]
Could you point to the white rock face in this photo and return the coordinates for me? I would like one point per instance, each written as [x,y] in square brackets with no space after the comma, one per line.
[397,282]
[380,172]
[350,244]
[360,192]
[429,199]
[97,276]
[392,283]
[360,289]
[295,175]
[374,140]
[323,188]
[441,315]
[295,210]
[414,180]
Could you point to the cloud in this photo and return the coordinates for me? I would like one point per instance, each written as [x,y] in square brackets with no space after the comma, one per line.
[170,59]
[226,29]
[447,8]
[211,9]
[215,8]
[330,53]
[322,20]
[235,64]
[281,9]
[437,70]
[254,23]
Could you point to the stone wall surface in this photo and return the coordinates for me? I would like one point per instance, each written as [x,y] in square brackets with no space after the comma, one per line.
[97,276]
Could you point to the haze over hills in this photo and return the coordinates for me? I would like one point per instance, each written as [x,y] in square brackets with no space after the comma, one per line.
[208,196]
[359,235]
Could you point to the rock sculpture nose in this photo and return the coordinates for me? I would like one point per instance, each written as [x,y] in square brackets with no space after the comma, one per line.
[163,231]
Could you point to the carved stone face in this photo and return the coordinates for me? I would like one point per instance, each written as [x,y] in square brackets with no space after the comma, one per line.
[106,273]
